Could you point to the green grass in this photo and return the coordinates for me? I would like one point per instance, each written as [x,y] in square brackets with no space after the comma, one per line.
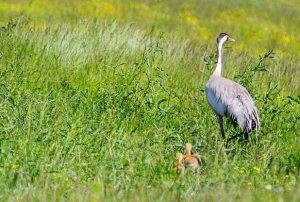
[96,109]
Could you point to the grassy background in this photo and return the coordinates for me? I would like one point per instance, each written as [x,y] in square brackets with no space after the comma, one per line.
[97,97]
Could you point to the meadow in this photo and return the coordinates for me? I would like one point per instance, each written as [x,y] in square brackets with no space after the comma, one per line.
[97,97]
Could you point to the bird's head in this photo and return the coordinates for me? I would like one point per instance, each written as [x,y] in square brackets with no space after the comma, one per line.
[179,156]
[188,148]
[223,37]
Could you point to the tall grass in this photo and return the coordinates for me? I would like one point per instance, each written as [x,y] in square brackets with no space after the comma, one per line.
[96,111]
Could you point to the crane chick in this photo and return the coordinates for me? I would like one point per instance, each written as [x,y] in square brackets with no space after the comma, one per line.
[178,165]
[187,161]
[191,160]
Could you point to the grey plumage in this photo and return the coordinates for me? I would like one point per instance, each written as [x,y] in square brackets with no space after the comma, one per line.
[230,99]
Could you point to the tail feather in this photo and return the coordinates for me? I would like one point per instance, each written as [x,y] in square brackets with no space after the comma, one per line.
[245,114]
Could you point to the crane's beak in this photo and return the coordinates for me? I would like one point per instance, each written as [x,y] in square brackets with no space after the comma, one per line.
[231,39]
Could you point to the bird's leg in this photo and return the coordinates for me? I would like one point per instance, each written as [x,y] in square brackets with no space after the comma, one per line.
[237,135]
[220,120]
[246,136]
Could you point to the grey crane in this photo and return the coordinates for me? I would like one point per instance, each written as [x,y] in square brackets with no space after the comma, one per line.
[230,99]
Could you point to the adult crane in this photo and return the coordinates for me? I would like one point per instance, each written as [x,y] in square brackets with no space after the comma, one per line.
[230,99]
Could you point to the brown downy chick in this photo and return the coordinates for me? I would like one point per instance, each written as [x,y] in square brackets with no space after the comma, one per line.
[178,166]
[191,160]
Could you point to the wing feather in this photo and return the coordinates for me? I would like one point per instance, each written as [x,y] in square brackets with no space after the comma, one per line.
[230,99]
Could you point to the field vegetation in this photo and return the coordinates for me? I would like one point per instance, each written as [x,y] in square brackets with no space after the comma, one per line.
[97,97]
